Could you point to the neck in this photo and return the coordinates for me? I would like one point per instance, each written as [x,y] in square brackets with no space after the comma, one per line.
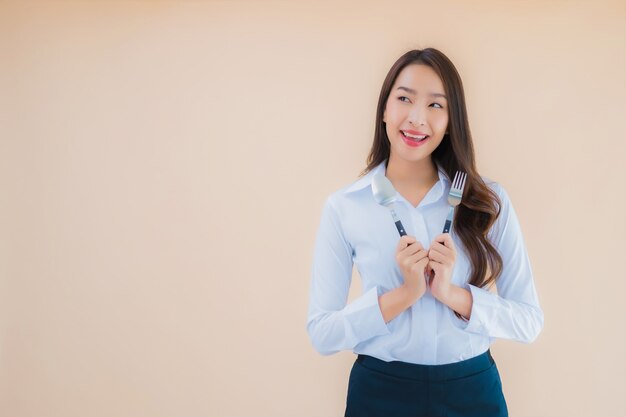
[421,173]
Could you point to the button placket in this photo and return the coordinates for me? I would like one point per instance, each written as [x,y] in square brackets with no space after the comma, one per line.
[429,304]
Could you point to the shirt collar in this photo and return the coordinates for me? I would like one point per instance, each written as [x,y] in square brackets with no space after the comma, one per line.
[366,180]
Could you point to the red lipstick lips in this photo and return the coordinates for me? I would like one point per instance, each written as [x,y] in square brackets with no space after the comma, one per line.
[414,143]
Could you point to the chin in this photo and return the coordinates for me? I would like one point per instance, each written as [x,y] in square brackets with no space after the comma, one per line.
[414,153]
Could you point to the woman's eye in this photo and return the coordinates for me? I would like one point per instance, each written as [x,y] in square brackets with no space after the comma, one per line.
[401,98]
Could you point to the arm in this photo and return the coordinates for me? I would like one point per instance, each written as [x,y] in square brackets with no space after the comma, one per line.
[460,300]
[394,302]
[514,313]
[332,324]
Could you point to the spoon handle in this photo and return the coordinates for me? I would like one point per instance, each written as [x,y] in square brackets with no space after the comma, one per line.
[400,228]
[399,225]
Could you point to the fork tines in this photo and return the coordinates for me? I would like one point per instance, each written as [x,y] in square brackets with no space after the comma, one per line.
[454,198]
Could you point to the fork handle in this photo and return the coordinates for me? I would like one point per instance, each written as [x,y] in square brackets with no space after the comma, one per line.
[448,225]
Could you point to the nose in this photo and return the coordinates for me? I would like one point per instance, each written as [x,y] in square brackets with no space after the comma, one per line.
[417,117]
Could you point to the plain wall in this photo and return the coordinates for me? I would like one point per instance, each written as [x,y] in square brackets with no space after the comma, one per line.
[163,167]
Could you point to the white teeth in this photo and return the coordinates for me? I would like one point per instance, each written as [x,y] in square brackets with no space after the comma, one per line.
[413,136]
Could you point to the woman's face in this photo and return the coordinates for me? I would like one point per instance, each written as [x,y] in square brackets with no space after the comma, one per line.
[416,106]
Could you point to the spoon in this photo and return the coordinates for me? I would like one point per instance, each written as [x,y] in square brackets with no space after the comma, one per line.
[385,195]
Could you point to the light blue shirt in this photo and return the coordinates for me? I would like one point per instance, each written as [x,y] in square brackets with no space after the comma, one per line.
[356,230]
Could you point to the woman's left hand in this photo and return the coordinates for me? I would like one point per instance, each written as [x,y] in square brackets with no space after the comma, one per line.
[442,255]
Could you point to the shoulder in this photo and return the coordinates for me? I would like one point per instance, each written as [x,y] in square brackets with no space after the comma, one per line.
[494,185]
[336,198]
[506,215]
[498,189]
[350,191]
[343,202]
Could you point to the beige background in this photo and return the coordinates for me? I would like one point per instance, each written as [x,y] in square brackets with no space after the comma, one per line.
[163,167]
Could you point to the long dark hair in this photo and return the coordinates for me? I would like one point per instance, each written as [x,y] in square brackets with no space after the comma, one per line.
[480,206]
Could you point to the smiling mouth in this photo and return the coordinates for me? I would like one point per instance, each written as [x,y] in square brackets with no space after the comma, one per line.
[414,138]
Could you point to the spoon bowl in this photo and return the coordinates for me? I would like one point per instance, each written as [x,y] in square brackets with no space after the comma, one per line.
[385,195]
[383,190]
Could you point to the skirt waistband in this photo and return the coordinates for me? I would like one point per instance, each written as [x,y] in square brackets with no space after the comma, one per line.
[413,371]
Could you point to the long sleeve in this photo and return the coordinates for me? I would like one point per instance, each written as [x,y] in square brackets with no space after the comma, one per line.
[514,312]
[332,324]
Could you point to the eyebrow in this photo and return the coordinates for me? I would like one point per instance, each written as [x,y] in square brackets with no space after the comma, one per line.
[410,90]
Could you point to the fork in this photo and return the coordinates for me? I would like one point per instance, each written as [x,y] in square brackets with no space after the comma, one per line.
[454,198]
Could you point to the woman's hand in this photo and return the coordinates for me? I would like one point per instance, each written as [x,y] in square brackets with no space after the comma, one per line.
[412,259]
[442,256]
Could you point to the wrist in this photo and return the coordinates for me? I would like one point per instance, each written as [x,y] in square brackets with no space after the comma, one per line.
[460,300]
[443,293]
[410,293]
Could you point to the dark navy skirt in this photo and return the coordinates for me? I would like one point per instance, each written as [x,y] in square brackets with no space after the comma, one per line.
[470,388]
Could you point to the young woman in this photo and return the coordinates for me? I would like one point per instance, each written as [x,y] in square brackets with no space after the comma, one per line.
[423,326]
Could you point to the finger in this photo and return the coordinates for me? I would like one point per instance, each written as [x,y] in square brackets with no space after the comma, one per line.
[434,266]
[412,249]
[446,240]
[415,257]
[422,263]
[420,266]
[418,256]
[436,256]
[444,244]
[441,250]
[428,271]
[405,241]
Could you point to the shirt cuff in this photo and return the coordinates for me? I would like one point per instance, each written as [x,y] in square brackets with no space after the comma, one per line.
[484,305]
[365,316]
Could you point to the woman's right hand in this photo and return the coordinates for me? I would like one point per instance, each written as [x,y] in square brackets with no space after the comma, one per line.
[412,259]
